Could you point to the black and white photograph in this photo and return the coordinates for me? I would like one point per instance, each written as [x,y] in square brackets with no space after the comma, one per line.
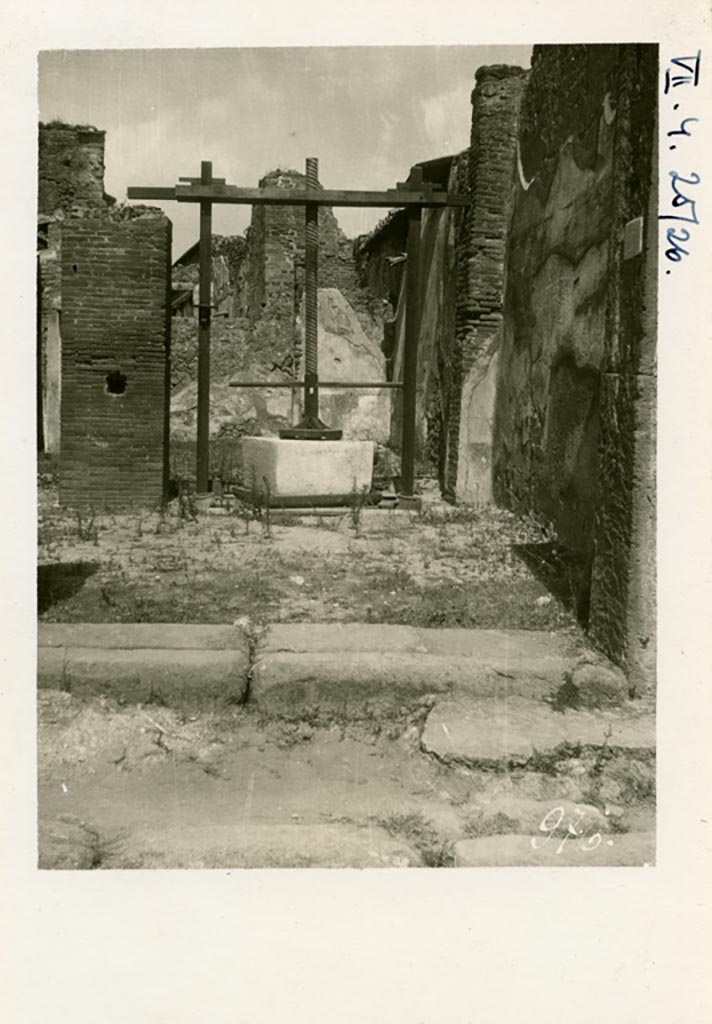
[346,456]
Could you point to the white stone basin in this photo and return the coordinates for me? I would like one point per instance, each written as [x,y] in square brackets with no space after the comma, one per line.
[307,468]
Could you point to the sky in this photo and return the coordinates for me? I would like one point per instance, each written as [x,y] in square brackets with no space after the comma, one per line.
[367,113]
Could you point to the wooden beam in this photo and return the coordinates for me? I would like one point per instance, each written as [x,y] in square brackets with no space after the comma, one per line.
[410,354]
[139,192]
[338,384]
[302,197]
[197,181]
[204,310]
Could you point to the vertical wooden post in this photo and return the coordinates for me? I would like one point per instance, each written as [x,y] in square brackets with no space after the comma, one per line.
[204,311]
[39,379]
[410,354]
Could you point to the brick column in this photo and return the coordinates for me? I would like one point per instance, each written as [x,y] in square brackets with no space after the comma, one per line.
[115,348]
[480,280]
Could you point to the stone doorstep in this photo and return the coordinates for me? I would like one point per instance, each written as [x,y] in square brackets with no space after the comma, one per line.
[141,675]
[339,666]
[343,682]
[630,849]
[516,728]
[141,635]
[496,648]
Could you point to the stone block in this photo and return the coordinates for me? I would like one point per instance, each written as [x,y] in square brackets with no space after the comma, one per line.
[341,637]
[51,668]
[518,728]
[595,685]
[307,468]
[368,669]
[141,635]
[171,677]
[519,815]
[66,843]
[248,845]
[631,849]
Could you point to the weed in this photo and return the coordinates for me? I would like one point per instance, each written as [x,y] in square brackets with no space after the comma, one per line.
[490,825]
[187,508]
[86,527]
[267,510]
[357,502]
[416,829]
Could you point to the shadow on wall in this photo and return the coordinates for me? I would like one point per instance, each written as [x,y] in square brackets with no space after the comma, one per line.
[564,572]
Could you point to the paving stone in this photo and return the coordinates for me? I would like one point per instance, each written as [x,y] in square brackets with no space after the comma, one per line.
[66,843]
[491,731]
[632,849]
[534,817]
[261,846]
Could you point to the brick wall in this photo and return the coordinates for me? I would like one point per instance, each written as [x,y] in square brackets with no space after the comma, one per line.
[480,281]
[115,324]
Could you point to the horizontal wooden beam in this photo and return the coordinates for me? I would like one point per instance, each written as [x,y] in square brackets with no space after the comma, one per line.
[320,384]
[298,197]
[150,193]
[197,181]
[323,197]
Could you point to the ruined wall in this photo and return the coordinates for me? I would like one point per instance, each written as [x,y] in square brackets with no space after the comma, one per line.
[70,184]
[373,254]
[437,271]
[480,278]
[274,268]
[575,386]
[49,345]
[382,269]
[115,361]
[71,169]
[623,593]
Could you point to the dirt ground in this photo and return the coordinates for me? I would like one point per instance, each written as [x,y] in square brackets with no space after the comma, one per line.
[443,566]
[155,788]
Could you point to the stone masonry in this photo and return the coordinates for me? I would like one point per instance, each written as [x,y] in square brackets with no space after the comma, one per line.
[71,169]
[574,423]
[274,266]
[115,362]
[70,184]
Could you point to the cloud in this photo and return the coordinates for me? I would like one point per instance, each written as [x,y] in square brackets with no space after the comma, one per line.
[446,118]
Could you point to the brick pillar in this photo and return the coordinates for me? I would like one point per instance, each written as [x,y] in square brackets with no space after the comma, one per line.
[115,349]
[480,281]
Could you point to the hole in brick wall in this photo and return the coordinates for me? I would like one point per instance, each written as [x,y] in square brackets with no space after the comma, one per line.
[116,382]
[75,268]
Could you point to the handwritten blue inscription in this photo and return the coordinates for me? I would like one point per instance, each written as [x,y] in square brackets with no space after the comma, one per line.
[682,71]
[677,235]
